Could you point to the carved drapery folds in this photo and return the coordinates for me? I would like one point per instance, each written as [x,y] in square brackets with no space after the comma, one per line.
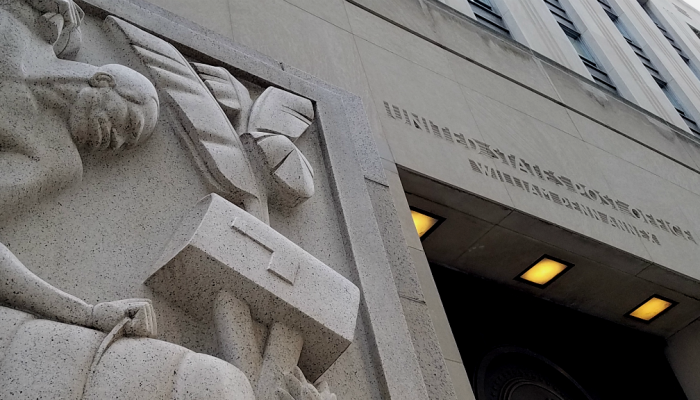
[214,109]
[298,388]
[268,128]
[277,120]
[207,131]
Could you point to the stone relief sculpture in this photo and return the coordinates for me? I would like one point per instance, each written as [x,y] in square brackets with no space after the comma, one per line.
[249,278]
[215,110]
[277,120]
[297,387]
[51,107]
[269,129]
[226,263]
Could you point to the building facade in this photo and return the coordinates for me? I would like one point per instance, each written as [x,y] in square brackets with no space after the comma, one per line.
[405,199]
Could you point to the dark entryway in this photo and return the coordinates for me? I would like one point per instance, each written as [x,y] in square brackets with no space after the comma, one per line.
[517,347]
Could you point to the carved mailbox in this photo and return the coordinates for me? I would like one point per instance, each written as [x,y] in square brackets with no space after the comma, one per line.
[219,248]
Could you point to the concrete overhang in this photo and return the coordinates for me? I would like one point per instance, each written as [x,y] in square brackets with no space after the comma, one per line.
[485,239]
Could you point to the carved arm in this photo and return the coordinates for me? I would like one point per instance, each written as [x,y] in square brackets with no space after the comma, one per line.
[20,288]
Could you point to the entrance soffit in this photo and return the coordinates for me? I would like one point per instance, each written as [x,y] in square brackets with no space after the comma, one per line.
[488,240]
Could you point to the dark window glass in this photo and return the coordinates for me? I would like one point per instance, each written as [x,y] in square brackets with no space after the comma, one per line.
[650,66]
[583,51]
[670,39]
[488,15]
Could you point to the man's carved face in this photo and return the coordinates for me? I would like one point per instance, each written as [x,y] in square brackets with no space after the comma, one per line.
[117,111]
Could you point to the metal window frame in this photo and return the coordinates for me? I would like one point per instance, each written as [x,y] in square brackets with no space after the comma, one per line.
[488,15]
[567,25]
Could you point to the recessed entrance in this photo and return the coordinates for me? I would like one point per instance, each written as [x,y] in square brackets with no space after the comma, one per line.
[582,328]
[512,373]
[517,347]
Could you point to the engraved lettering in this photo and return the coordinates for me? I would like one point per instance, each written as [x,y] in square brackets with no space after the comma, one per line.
[508,179]
[645,234]
[525,167]
[677,231]
[460,138]
[624,208]
[567,182]
[501,155]
[538,172]
[582,190]
[577,207]
[609,201]
[603,217]
[651,220]
[593,213]
[436,129]
[511,158]
[388,109]
[567,203]
[536,190]
[447,135]
[518,183]
[416,121]
[552,178]
[476,167]
[638,214]
[592,195]
[555,198]
[397,112]
[662,225]
[485,149]
[522,166]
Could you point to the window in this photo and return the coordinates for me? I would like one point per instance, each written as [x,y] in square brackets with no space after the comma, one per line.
[681,111]
[650,67]
[638,50]
[487,14]
[576,40]
[670,39]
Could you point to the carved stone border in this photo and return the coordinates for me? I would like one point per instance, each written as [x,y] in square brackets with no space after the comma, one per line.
[350,154]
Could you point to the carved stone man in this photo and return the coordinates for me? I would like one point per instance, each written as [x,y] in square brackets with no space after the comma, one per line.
[49,107]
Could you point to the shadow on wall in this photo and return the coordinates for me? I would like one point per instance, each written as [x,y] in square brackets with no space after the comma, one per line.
[609,361]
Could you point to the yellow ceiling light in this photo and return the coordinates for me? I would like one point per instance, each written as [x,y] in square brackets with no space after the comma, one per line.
[652,308]
[544,271]
[425,222]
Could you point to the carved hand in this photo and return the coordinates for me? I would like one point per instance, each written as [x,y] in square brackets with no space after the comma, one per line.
[299,389]
[106,316]
[71,13]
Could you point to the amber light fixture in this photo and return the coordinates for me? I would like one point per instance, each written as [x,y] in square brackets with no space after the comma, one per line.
[544,271]
[425,222]
[651,309]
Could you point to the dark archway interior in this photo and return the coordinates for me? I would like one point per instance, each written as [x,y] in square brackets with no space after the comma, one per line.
[609,361]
